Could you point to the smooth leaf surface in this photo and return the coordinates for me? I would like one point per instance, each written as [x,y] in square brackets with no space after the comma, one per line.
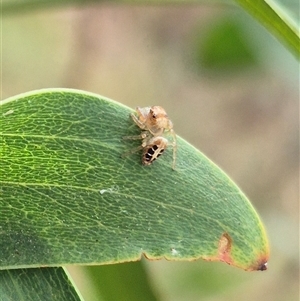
[130,281]
[44,284]
[276,20]
[68,197]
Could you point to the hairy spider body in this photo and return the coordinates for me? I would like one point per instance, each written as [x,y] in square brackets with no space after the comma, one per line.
[155,123]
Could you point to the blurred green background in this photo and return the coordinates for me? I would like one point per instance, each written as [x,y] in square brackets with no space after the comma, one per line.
[231,90]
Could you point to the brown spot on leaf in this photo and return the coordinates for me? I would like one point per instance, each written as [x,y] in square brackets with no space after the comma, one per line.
[224,248]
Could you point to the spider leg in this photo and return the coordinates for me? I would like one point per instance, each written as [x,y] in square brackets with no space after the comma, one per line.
[143,135]
[136,120]
[132,151]
[174,145]
[137,137]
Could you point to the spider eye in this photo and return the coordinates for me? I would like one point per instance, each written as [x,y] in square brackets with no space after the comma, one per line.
[153,115]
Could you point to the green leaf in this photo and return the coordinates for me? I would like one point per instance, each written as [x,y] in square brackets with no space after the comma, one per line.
[276,20]
[126,281]
[45,284]
[67,196]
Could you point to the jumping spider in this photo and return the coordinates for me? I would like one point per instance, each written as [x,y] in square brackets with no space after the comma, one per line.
[155,123]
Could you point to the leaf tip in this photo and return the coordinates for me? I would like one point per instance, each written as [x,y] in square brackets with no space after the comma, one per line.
[260,265]
[224,254]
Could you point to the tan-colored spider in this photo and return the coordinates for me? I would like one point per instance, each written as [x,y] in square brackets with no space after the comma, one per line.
[155,123]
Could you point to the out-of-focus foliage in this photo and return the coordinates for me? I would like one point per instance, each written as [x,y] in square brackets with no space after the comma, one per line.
[225,48]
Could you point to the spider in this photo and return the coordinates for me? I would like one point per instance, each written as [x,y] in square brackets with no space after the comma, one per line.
[154,122]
